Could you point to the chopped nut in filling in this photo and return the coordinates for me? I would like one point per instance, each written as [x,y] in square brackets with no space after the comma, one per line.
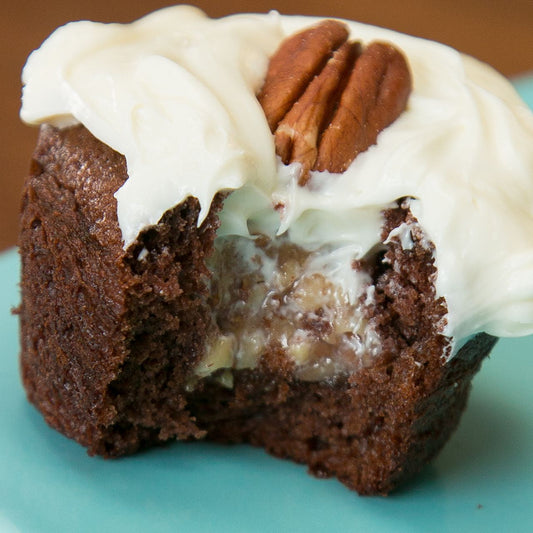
[270,295]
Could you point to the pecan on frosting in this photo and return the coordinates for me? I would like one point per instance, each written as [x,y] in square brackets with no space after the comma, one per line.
[326,98]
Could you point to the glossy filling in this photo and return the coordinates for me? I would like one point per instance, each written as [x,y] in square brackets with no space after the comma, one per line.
[271,296]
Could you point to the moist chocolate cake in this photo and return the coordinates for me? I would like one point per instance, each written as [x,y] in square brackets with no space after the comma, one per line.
[109,341]
[190,329]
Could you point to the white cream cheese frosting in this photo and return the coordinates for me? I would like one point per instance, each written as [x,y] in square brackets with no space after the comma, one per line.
[175,93]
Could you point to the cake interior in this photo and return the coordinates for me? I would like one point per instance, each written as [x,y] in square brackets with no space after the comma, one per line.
[317,368]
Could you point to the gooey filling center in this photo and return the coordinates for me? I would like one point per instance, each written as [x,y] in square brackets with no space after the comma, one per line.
[271,296]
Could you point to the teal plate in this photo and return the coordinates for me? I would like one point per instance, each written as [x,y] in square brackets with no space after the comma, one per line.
[482,481]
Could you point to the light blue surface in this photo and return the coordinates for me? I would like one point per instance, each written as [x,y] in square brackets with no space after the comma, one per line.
[482,482]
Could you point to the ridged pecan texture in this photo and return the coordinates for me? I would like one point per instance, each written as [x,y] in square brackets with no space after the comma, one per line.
[326,98]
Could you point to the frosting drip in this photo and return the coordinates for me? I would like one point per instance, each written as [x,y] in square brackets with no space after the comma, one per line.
[175,93]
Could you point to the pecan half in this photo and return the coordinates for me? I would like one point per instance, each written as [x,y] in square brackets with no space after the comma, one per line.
[297,134]
[297,61]
[375,96]
[327,99]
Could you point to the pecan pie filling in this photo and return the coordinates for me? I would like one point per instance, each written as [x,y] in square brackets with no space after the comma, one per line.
[271,295]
